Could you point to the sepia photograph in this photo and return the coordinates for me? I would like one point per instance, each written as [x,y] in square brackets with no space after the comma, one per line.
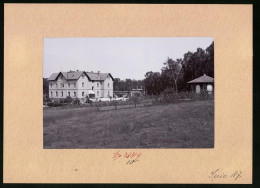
[128,92]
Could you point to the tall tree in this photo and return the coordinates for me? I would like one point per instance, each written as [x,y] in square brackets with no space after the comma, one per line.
[173,70]
[45,87]
[152,82]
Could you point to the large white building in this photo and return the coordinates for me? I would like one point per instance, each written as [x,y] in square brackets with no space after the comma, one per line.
[79,84]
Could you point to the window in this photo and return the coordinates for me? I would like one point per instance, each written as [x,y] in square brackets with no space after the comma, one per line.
[108,85]
[92,87]
[69,84]
[108,92]
[62,93]
[51,85]
[51,93]
[97,84]
[83,76]
[69,94]
[61,84]
[82,94]
[97,93]
[74,84]
[56,94]
[56,85]
[74,94]
[82,84]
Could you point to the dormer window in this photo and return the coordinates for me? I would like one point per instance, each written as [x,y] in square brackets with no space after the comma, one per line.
[83,76]
[108,85]
[82,84]
[74,84]
[69,84]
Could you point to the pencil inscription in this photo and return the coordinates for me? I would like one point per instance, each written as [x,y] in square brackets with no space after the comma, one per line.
[220,174]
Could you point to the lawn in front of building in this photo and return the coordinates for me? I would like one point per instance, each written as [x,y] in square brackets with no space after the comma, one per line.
[182,125]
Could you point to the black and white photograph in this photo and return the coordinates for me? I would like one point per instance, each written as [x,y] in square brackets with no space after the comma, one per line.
[128,92]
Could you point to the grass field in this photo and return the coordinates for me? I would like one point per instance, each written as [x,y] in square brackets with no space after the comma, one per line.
[183,125]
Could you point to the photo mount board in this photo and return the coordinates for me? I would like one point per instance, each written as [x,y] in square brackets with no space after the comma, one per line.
[26,26]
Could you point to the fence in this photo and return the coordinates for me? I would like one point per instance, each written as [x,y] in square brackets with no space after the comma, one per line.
[164,98]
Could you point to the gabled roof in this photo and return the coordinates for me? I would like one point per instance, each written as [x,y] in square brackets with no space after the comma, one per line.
[98,76]
[53,77]
[75,75]
[202,79]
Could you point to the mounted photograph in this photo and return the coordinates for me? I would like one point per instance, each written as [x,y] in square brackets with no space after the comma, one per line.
[128,92]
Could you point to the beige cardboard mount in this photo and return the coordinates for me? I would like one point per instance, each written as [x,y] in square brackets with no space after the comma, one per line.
[25,27]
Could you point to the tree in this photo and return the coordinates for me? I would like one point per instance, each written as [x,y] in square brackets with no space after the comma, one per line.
[135,100]
[210,59]
[153,83]
[45,87]
[173,70]
[127,85]
[196,64]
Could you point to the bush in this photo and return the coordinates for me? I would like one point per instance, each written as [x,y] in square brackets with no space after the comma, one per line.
[135,100]
[62,101]
[115,103]
[68,100]
[46,99]
[76,101]
[169,91]
[54,104]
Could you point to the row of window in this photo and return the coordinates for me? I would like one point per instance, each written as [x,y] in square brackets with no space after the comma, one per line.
[62,94]
[62,85]
[75,94]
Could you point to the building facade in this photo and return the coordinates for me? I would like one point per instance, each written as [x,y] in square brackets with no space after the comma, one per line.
[80,84]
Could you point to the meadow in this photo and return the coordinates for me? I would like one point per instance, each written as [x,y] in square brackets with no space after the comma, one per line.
[180,125]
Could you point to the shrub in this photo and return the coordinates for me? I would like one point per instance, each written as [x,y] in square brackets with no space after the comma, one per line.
[46,99]
[62,101]
[76,101]
[169,91]
[135,100]
[54,104]
[68,100]
[115,103]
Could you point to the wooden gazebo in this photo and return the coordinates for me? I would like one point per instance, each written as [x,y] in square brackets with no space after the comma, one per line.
[203,83]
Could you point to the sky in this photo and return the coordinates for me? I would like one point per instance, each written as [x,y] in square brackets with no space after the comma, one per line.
[123,57]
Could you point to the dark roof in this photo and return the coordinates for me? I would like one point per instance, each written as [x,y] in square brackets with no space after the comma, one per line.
[53,76]
[202,79]
[98,76]
[75,75]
